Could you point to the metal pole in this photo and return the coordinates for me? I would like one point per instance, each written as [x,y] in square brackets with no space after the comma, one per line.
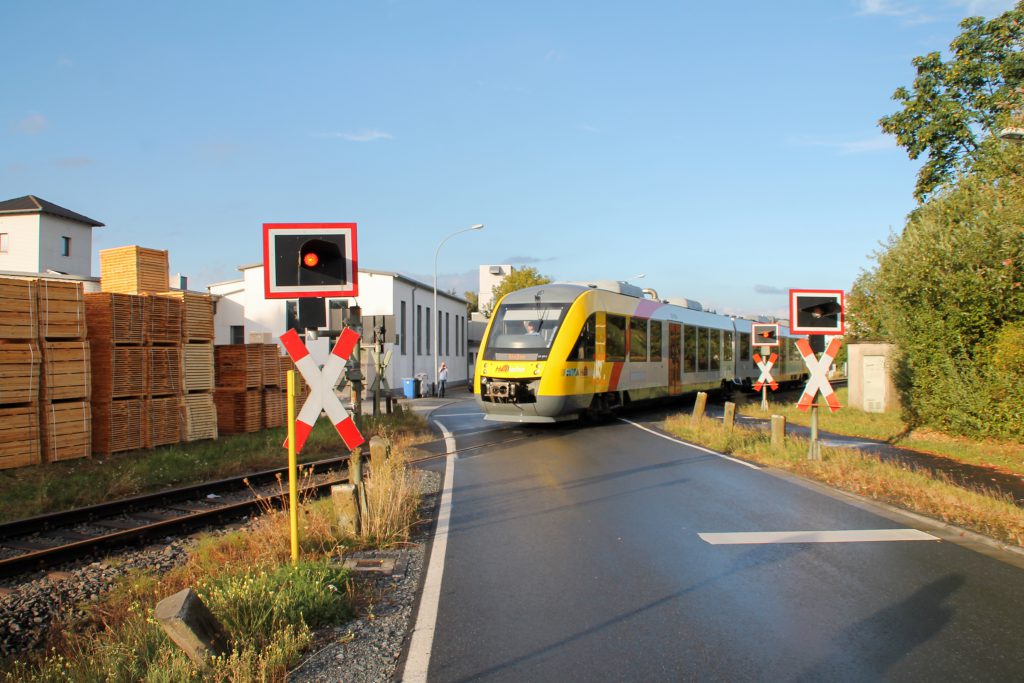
[437,344]
[293,484]
[814,453]
[764,398]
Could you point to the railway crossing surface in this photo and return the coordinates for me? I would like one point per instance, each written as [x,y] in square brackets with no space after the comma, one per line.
[616,552]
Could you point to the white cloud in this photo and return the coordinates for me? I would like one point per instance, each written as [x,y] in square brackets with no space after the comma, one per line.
[362,135]
[74,162]
[36,123]
[877,143]
[919,11]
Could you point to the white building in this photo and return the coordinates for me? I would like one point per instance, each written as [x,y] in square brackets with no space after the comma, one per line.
[37,236]
[491,277]
[398,306]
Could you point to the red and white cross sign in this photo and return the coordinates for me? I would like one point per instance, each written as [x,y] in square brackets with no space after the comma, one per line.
[819,378]
[766,372]
[321,384]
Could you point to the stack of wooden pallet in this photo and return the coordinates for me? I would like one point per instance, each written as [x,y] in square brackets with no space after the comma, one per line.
[117,336]
[275,412]
[66,376]
[199,413]
[163,371]
[19,372]
[133,270]
[239,392]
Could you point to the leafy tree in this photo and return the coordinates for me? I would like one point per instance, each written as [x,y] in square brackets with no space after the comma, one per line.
[472,301]
[955,106]
[519,278]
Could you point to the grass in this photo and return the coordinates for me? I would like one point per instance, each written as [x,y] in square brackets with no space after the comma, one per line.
[30,491]
[269,609]
[934,496]
[1002,454]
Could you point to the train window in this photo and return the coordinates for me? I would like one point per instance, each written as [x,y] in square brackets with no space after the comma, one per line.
[586,343]
[715,343]
[638,339]
[523,331]
[656,331]
[703,349]
[615,338]
[727,346]
[744,346]
[689,348]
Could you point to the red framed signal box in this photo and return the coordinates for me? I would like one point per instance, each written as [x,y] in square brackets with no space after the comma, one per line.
[310,260]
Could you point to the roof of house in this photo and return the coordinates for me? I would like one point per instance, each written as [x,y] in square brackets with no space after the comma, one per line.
[32,204]
[387,273]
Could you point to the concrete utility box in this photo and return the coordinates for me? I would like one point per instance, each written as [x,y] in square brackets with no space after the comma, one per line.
[870,378]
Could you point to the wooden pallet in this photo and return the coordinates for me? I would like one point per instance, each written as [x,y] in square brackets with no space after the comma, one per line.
[196,315]
[66,371]
[163,370]
[116,318]
[61,307]
[19,372]
[239,411]
[163,320]
[163,421]
[271,365]
[197,367]
[118,425]
[19,436]
[200,417]
[66,430]
[275,409]
[239,366]
[117,371]
[18,306]
[134,270]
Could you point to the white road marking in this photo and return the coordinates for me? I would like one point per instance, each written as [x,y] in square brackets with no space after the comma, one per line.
[847,536]
[418,662]
[686,443]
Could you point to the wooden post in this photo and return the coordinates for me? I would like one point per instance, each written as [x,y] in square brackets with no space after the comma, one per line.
[346,507]
[778,430]
[192,627]
[729,419]
[698,406]
[378,449]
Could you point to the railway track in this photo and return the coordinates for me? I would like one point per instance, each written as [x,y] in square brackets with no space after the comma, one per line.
[38,542]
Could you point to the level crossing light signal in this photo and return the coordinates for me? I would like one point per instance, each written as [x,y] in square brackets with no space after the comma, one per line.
[765,334]
[310,260]
[816,311]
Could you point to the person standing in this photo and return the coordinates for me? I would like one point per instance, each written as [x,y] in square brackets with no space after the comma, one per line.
[442,380]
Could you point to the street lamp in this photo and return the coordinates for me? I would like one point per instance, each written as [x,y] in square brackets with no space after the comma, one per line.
[437,328]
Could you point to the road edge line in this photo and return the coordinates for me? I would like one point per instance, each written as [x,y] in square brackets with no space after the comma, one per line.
[417,661]
[691,445]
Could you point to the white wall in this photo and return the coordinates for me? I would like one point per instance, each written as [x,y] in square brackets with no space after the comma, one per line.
[53,228]
[230,309]
[22,254]
[489,281]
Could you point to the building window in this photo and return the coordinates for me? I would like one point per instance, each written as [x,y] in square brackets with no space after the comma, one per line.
[438,331]
[447,333]
[65,246]
[4,245]
[238,334]
[401,339]
[419,331]
[428,330]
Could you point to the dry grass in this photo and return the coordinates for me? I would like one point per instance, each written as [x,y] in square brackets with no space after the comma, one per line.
[934,496]
[392,497]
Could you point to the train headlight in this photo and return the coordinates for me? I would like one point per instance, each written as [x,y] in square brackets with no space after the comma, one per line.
[536,369]
[485,367]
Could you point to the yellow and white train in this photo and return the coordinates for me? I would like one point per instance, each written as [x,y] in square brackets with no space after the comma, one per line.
[561,351]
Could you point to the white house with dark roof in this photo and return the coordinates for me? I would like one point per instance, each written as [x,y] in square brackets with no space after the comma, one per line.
[401,308]
[37,236]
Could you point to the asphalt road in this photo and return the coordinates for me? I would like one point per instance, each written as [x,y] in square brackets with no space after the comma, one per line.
[577,555]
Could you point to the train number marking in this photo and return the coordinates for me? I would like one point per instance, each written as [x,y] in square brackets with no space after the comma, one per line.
[766,371]
[321,384]
[819,375]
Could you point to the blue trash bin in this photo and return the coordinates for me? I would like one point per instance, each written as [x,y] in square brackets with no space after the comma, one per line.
[411,387]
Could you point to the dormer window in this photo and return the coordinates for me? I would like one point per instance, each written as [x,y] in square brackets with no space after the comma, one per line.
[65,246]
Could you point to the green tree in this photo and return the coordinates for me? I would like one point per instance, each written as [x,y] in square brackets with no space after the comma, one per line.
[519,278]
[955,105]
[472,301]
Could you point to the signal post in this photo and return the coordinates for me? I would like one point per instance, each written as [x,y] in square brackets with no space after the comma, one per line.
[816,313]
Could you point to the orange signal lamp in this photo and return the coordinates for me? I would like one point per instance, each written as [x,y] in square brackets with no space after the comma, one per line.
[766,335]
[311,259]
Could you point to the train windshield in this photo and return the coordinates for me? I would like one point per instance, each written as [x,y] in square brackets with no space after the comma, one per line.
[524,331]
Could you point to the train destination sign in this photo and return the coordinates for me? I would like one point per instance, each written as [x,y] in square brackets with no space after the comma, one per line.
[321,384]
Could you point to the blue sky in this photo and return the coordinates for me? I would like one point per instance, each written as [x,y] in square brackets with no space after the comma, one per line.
[728,151]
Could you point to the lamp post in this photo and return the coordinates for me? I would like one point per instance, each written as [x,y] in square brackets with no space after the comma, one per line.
[437,328]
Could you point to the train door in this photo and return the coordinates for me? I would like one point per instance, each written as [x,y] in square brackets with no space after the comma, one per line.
[675,359]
